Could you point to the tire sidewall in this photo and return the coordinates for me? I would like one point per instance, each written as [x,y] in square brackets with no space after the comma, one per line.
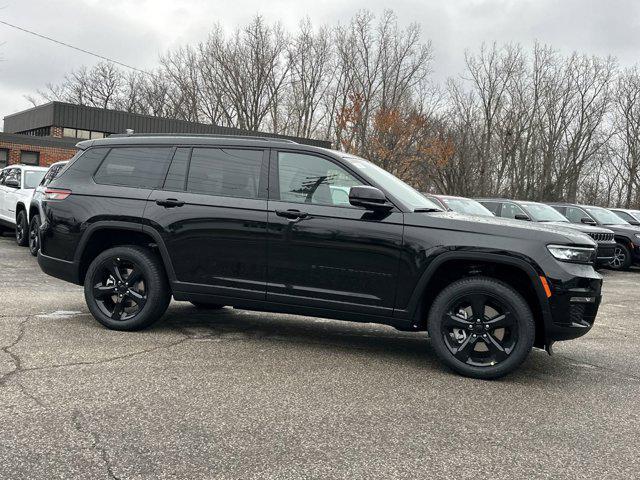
[507,296]
[35,222]
[21,221]
[155,286]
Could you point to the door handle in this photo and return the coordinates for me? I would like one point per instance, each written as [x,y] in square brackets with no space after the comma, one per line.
[170,203]
[292,214]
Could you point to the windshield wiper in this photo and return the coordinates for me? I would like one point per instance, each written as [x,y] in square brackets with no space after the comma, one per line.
[427,210]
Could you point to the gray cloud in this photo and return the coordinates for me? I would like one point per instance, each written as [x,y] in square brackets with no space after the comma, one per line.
[135,32]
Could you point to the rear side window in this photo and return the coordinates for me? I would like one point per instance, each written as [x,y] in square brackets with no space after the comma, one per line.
[225,172]
[178,170]
[139,167]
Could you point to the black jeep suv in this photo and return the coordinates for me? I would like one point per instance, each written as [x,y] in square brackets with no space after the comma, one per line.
[627,236]
[271,225]
[540,212]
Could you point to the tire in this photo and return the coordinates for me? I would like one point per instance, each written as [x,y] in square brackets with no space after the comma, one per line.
[207,306]
[34,235]
[622,258]
[126,288]
[456,330]
[22,229]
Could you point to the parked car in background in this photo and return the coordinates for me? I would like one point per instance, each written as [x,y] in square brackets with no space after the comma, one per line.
[627,250]
[17,183]
[464,205]
[540,212]
[630,216]
[255,224]
[35,206]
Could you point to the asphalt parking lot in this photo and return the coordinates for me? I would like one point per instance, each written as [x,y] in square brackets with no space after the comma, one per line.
[236,394]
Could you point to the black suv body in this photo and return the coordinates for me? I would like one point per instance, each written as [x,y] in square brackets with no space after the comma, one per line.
[543,213]
[275,226]
[627,236]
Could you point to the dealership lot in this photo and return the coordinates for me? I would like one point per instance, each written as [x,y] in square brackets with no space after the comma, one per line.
[235,394]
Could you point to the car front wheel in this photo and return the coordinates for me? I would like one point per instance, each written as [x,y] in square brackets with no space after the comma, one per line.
[481,327]
[126,288]
[621,258]
[34,235]
[22,229]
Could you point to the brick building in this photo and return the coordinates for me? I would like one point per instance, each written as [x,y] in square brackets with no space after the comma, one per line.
[48,133]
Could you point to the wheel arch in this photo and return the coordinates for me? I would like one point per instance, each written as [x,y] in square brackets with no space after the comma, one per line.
[520,274]
[102,235]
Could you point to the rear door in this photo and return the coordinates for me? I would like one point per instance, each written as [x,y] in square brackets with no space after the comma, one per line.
[11,194]
[212,216]
[324,252]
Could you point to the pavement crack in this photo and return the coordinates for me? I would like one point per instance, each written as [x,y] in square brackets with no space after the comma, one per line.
[95,443]
[15,358]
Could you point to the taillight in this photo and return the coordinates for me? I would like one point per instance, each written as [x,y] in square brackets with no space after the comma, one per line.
[56,194]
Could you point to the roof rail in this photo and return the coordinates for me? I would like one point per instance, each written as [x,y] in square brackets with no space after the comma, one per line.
[205,135]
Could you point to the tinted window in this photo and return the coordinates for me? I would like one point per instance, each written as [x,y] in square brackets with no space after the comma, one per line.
[142,167]
[310,179]
[225,172]
[178,170]
[575,215]
[493,207]
[510,210]
[51,174]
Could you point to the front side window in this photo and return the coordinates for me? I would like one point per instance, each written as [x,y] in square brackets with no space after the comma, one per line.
[510,210]
[225,172]
[140,167]
[575,214]
[309,179]
[30,158]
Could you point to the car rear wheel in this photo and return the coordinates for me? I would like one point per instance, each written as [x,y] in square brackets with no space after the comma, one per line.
[621,258]
[22,229]
[34,235]
[481,328]
[126,288]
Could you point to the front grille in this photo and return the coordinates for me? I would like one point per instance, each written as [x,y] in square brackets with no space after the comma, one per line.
[602,237]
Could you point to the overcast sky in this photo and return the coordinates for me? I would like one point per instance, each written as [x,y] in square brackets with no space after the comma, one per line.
[137,31]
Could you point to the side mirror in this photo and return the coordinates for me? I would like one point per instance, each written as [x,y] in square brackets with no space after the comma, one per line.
[12,182]
[370,198]
[522,217]
[587,221]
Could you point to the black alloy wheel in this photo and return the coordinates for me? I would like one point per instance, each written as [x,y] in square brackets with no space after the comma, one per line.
[126,288]
[22,229]
[119,289]
[621,258]
[34,235]
[481,327]
[479,330]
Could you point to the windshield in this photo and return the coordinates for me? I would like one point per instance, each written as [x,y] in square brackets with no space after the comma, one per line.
[390,183]
[605,217]
[544,213]
[467,206]
[32,178]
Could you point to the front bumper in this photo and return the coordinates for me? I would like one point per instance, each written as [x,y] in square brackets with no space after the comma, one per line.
[574,303]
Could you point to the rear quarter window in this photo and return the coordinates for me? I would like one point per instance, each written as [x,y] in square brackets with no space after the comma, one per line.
[139,167]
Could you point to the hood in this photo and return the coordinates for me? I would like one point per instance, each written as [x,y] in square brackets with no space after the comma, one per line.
[581,227]
[624,228]
[499,226]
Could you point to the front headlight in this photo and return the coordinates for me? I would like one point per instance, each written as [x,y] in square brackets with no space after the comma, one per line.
[572,254]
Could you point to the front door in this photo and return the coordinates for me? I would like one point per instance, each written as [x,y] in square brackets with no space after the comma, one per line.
[212,216]
[322,251]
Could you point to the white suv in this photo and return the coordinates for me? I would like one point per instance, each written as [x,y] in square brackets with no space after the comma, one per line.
[17,183]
